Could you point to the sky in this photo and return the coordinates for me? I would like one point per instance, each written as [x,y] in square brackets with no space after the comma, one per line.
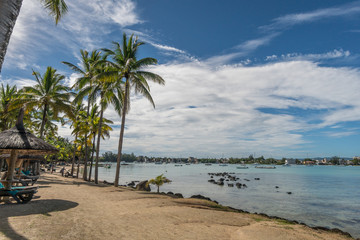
[275,78]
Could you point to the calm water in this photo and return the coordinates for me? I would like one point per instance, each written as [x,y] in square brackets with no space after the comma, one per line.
[326,196]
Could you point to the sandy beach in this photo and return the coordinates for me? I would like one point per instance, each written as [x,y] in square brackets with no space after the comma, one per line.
[68,208]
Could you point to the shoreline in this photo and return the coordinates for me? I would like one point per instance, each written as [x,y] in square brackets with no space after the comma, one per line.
[274,217]
[198,196]
[71,208]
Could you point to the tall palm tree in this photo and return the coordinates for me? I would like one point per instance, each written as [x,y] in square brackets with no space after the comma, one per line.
[7,96]
[129,70]
[88,71]
[105,88]
[48,95]
[9,12]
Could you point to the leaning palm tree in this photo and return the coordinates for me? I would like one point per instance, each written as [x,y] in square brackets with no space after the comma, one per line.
[129,70]
[9,11]
[7,97]
[158,181]
[90,63]
[47,95]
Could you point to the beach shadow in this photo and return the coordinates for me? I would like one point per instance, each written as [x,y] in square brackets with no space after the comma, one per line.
[50,181]
[44,207]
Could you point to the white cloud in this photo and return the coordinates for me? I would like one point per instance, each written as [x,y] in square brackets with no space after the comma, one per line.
[85,26]
[299,18]
[203,111]
[336,53]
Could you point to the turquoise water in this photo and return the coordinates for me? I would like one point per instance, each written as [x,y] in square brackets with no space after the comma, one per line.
[327,196]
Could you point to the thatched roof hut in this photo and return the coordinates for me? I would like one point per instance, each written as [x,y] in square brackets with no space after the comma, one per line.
[18,140]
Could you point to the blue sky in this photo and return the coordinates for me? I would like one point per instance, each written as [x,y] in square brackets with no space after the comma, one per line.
[272,78]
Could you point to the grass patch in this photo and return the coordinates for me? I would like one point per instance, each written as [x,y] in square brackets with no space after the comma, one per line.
[260,219]
[284,222]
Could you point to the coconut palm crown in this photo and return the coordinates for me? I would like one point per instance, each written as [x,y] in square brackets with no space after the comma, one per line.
[48,94]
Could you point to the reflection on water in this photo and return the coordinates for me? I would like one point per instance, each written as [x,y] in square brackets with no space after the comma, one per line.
[321,195]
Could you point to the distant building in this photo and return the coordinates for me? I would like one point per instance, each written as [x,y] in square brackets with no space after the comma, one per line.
[356,158]
[192,160]
[290,161]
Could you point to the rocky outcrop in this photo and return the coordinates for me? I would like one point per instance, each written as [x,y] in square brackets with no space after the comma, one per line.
[142,186]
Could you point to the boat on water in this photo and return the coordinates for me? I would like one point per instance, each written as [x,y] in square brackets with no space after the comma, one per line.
[178,165]
[222,165]
[265,167]
[107,166]
[188,164]
[207,164]
[286,165]
[243,166]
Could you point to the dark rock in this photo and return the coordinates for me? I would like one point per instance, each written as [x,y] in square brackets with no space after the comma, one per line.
[211,180]
[108,183]
[276,186]
[220,183]
[179,195]
[132,184]
[170,193]
[244,186]
[238,185]
[230,185]
[289,192]
[142,186]
[246,179]
[256,178]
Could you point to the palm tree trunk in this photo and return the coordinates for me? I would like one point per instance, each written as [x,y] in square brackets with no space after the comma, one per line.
[9,11]
[92,156]
[86,146]
[73,160]
[78,165]
[118,160]
[43,122]
[98,146]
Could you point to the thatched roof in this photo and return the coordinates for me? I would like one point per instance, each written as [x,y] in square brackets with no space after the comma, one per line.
[21,139]
[24,157]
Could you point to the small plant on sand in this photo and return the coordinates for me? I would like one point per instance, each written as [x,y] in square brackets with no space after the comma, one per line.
[158,181]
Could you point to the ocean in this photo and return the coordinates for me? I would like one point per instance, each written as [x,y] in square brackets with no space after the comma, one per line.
[327,196]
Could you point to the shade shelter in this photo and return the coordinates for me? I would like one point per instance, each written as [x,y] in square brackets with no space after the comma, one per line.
[19,141]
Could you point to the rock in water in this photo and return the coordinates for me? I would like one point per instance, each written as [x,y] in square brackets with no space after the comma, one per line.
[142,186]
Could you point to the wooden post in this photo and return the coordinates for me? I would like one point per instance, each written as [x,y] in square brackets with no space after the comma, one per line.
[1,165]
[11,168]
[37,167]
[27,163]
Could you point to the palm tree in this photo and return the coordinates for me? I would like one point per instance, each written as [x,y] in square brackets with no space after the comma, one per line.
[88,71]
[48,95]
[7,96]
[158,181]
[9,12]
[93,121]
[130,72]
[77,121]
